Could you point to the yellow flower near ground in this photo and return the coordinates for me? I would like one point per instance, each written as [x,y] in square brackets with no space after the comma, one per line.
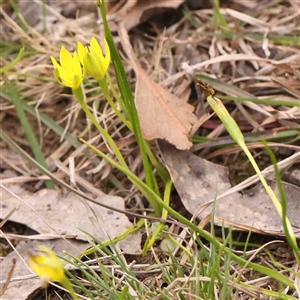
[91,57]
[69,72]
[47,265]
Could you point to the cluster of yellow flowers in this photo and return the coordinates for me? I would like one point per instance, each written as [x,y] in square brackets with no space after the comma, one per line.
[70,73]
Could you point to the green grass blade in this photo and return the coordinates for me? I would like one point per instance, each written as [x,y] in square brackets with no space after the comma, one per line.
[272,102]
[35,147]
[218,15]
[14,62]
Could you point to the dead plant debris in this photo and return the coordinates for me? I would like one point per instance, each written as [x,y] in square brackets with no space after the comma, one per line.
[255,56]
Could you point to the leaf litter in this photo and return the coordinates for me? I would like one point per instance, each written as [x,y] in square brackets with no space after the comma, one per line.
[134,13]
[251,60]
[49,212]
[199,182]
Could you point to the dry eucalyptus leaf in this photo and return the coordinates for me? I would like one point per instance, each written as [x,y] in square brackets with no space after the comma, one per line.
[136,12]
[47,211]
[22,282]
[199,181]
[162,115]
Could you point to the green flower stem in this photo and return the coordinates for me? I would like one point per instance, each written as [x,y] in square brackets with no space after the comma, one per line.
[144,188]
[102,83]
[288,233]
[124,293]
[128,104]
[114,92]
[163,173]
[68,286]
[206,235]
[80,98]
[218,15]
[150,242]
[235,132]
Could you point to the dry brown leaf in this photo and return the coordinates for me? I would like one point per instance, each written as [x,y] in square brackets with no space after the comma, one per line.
[136,12]
[162,115]
[199,181]
[48,212]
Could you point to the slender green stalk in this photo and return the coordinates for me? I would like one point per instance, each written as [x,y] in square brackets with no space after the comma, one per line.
[184,249]
[80,98]
[26,156]
[114,92]
[290,238]
[119,238]
[218,15]
[273,102]
[102,83]
[124,293]
[128,102]
[134,179]
[68,286]
[150,242]
[235,132]
[163,173]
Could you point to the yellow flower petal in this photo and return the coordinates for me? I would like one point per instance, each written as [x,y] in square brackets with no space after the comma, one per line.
[54,62]
[76,65]
[94,45]
[68,72]
[107,54]
[81,52]
[47,265]
[65,58]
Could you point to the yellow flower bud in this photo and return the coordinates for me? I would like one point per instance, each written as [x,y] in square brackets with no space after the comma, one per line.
[91,57]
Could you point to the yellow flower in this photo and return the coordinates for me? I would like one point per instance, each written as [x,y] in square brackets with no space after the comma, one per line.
[91,57]
[51,268]
[68,72]
[47,265]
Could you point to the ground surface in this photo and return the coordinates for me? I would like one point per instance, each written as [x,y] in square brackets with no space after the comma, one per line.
[253,56]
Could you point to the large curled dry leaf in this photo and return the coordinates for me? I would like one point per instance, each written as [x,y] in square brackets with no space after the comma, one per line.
[199,182]
[162,115]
